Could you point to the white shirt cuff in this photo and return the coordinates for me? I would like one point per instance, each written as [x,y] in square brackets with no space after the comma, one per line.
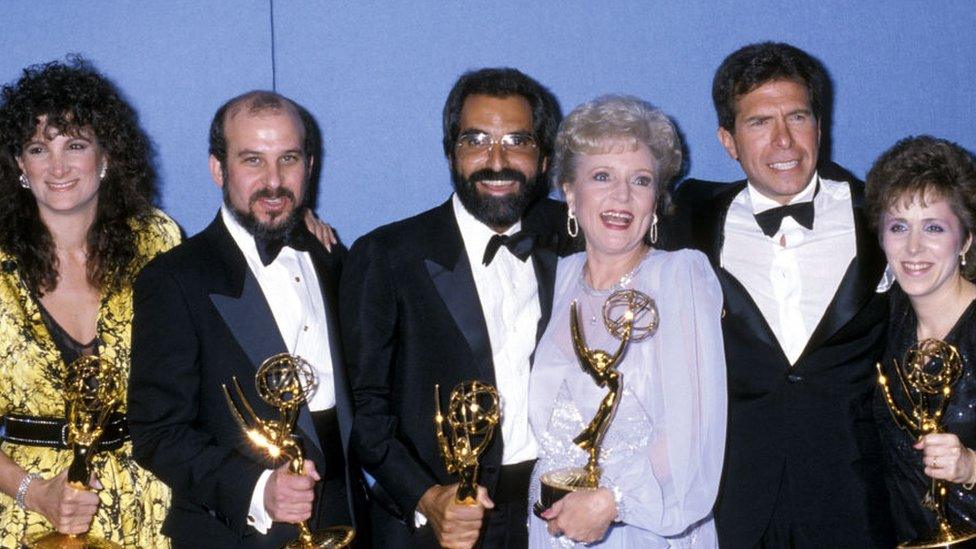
[257,515]
[419,519]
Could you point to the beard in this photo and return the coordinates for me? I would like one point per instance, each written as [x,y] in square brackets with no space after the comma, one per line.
[279,225]
[498,212]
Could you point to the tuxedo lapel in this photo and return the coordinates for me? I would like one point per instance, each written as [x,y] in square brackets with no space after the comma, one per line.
[860,282]
[247,314]
[708,231]
[250,321]
[539,221]
[741,308]
[451,274]
[325,269]
[544,262]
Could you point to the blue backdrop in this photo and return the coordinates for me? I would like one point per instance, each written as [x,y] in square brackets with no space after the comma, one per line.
[375,75]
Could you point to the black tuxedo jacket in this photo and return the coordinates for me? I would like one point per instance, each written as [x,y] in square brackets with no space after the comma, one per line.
[411,319]
[201,319]
[802,442]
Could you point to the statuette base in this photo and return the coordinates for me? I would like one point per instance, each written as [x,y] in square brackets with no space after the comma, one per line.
[56,540]
[556,484]
[946,536]
[328,538]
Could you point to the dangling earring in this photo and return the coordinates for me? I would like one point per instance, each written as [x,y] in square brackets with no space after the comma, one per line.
[572,226]
[962,259]
[24,182]
[653,232]
[101,176]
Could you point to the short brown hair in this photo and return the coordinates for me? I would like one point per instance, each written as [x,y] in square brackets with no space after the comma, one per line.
[921,166]
[258,101]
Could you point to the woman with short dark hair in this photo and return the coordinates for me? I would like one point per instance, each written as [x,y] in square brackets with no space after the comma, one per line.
[922,197]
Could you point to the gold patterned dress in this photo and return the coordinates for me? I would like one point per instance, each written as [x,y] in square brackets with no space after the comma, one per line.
[133,501]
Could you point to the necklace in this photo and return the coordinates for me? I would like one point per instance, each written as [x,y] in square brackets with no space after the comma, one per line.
[621,283]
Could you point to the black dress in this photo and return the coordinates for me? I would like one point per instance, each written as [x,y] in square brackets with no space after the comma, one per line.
[903,468]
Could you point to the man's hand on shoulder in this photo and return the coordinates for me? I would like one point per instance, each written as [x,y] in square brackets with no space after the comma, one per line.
[288,497]
[456,525]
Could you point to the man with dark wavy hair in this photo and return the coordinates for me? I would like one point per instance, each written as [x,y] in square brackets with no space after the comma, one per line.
[456,293]
[803,322]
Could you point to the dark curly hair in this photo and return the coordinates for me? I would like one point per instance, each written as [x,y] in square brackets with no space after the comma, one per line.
[74,98]
[751,66]
[920,167]
[503,82]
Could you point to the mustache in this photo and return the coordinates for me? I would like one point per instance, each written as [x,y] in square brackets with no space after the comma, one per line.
[488,174]
[269,193]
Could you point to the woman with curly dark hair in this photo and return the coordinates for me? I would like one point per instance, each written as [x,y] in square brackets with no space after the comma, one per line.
[76,225]
[922,196]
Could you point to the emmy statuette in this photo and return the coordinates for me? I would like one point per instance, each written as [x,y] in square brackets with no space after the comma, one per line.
[285,382]
[92,391]
[926,378]
[628,315]
[472,415]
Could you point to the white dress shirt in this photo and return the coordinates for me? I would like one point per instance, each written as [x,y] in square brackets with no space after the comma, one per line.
[509,296]
[291,288]
[793,275]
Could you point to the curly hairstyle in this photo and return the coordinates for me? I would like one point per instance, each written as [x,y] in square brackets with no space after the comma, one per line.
[920,168]
[751,66]
[600,125]
[74,98]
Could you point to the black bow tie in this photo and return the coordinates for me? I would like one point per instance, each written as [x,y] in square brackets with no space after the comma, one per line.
[520,244]
[268,248]
[770,220]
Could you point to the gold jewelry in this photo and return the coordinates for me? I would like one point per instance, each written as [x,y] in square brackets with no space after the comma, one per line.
[572,226]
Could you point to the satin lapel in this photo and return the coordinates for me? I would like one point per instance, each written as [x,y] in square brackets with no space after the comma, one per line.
[544,262]
[248,316]
[708,223]
[328,280]
[740,307]
[708,229]
[860,282]
[250,321]
[456,288]
[451,274]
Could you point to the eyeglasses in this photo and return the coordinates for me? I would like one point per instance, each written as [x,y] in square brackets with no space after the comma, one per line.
[481,142]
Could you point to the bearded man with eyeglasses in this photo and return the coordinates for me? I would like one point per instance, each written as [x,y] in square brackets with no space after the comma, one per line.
[460,292]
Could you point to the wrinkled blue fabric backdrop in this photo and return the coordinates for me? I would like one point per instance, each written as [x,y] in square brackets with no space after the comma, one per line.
[375,74]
